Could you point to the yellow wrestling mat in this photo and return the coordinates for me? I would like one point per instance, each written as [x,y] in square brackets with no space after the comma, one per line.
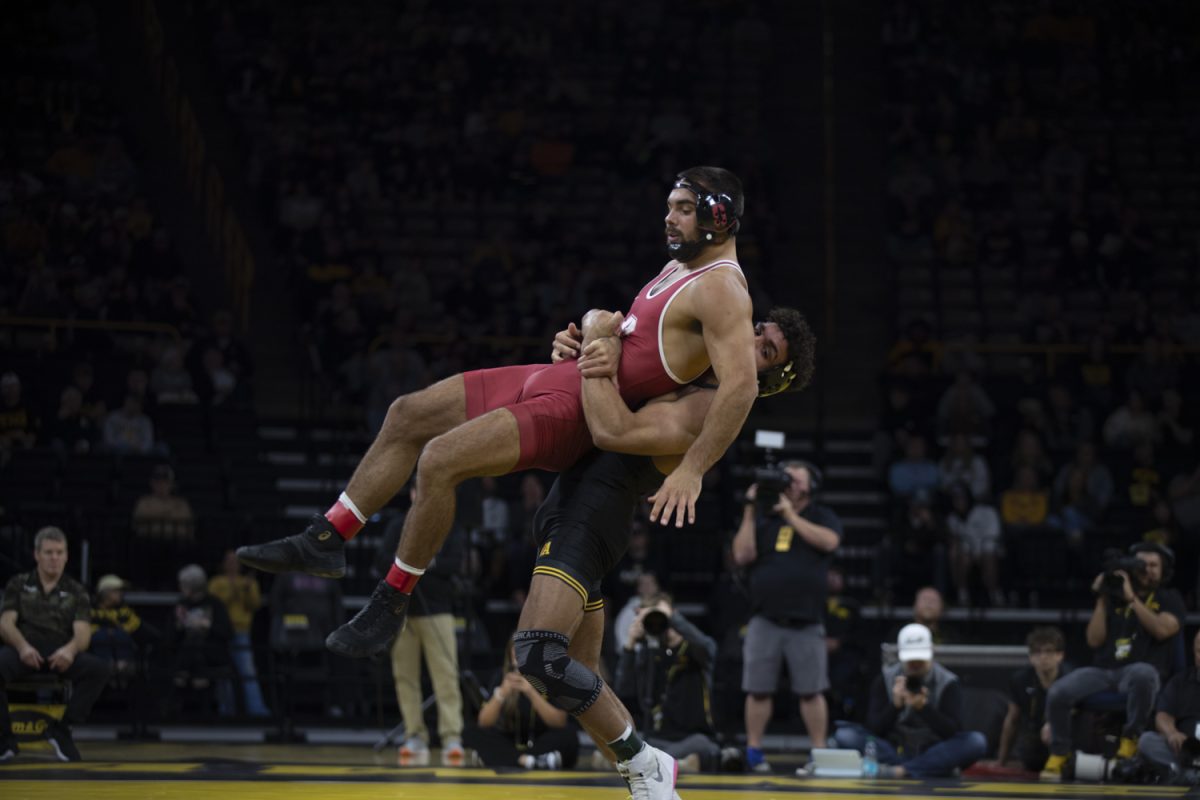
[301,772]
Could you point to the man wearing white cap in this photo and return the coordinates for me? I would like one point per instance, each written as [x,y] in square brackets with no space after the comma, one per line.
[915,715]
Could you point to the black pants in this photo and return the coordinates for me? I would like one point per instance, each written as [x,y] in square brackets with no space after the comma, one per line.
[87,674]
[497,749]
[1030,750]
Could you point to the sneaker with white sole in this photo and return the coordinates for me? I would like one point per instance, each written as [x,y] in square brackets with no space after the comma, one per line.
[551,760]
[9,749]
[453,754]
[650,775]
[413,753]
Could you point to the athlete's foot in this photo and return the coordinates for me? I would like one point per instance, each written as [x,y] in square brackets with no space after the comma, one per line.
[650,775]
[319,550]
[372,629]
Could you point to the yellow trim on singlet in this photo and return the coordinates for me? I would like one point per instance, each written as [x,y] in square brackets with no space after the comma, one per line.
[564,577]
[595,605]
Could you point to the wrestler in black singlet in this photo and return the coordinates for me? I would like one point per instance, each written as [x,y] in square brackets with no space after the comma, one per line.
[582,529]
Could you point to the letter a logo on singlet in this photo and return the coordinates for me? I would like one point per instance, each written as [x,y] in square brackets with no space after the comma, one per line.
[629,325]
[545,550]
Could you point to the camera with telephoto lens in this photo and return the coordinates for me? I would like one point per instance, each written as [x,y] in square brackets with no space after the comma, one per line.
[655,623]
[913,684]
[1113,585]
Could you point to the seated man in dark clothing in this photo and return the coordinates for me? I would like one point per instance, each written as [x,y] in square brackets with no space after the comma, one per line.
[1025,723]
[1132,629]
[1172,749]
[518,727]
[202,635]
[45,626]
[915,715]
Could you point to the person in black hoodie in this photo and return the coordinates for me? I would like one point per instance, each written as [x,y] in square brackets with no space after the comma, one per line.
[915,715]
[665,672]
[430,630]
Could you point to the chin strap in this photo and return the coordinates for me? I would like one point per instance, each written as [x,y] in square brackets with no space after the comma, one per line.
[775,380]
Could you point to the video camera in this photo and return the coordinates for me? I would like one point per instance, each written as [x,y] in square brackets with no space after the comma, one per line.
[771,479]
[1113,585]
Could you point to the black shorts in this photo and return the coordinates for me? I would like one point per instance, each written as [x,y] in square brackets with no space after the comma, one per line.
[582,529]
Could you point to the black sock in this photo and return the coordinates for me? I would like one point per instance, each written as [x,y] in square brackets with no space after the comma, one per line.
[628,746]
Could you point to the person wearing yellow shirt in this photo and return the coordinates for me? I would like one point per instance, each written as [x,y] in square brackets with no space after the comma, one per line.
[241,596]
[1025,504]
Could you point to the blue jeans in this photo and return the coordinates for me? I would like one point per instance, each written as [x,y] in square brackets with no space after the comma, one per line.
[958,752]
[243,661]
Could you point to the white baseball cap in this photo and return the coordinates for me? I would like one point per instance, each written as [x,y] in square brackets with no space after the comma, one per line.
[915,643]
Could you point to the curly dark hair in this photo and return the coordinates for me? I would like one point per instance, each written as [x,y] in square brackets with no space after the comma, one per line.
[801,341]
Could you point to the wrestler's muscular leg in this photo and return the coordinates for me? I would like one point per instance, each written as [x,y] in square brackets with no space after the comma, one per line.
[412,420]
[487,445]
[554,606]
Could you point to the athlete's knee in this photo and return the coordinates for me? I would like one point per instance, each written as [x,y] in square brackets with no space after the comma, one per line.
[437,461]
[542,658]
[404,418]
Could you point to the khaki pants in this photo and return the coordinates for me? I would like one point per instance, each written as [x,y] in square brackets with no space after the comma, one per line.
[435,635]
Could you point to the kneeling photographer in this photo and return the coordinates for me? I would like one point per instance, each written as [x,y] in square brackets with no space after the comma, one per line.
[665,675]
[1131,630]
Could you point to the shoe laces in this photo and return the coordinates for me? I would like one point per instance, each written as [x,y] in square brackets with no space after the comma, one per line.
[381,604]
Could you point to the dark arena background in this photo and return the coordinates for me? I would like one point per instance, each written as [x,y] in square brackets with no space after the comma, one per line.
[233,233]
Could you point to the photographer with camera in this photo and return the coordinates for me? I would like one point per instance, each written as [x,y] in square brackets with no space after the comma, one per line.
[787,540]
[1131,630]
[915,715]
[665,672]
[1172,749]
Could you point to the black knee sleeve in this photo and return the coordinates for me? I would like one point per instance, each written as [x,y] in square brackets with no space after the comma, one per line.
[542,658]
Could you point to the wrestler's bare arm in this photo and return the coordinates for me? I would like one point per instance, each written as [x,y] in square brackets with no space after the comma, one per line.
[721,304]
[659,428]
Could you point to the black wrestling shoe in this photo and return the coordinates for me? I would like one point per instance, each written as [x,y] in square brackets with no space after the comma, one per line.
[319,551]
[59,737]
[372,629]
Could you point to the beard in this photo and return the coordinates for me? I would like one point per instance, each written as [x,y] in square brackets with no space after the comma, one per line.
[686,251]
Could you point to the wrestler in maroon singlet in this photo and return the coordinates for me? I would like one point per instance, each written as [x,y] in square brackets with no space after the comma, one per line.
[545,399]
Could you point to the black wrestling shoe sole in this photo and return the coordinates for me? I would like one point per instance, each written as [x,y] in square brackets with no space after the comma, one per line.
[285,556]
[371,631]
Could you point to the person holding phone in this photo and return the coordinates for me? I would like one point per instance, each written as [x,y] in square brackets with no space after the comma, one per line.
[915,715]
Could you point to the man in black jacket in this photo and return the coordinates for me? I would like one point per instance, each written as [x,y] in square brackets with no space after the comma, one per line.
[915,715]
[665,672]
